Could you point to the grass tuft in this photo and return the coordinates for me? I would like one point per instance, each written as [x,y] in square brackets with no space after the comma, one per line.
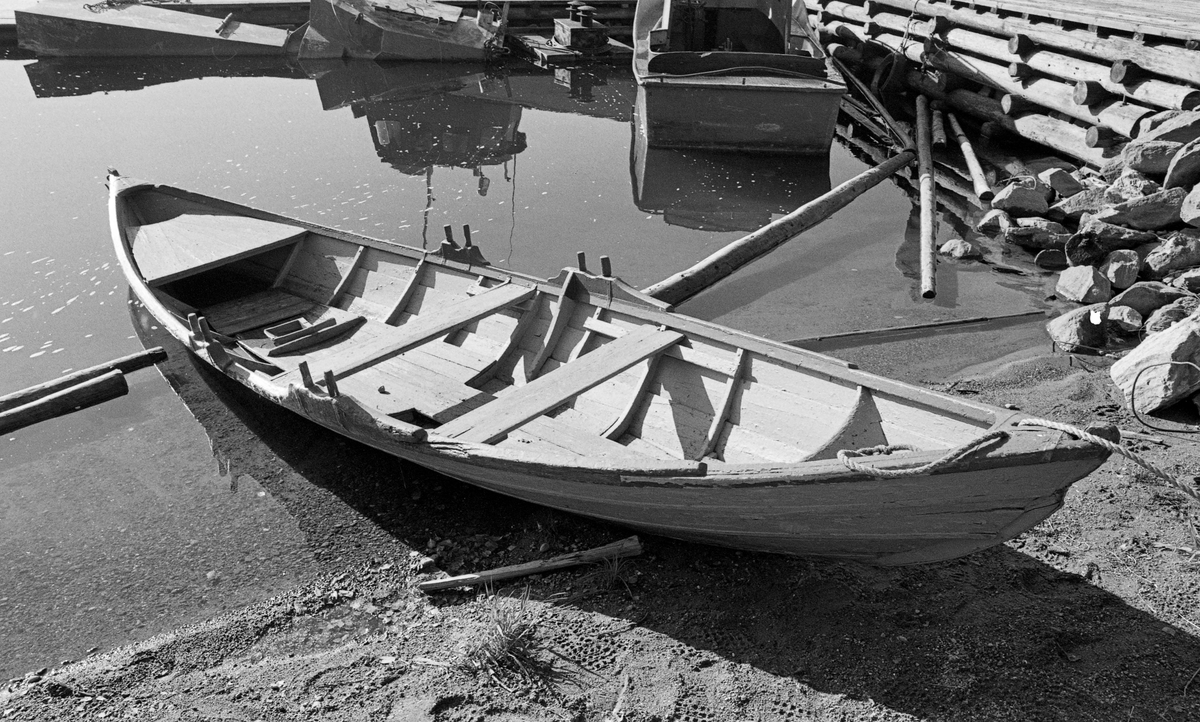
[508,647]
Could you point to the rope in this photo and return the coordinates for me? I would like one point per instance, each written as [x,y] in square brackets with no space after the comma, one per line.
[846,457]
[1116,449]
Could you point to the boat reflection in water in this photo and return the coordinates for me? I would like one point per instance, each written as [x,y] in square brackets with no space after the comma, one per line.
[719,190]
[71,76]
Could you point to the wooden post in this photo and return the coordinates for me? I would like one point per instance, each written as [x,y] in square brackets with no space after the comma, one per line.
[928,201]
[125,364]
[749,248]
[938,138]
[1101,137]
[978,180]
[1088,92]
[80,396]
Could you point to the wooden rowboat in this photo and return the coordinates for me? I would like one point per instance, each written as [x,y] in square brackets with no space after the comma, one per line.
[581,393]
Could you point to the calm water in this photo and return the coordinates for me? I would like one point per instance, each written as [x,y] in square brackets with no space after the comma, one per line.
[116,522]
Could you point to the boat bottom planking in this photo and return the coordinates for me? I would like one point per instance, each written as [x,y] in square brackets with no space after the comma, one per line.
[579,392]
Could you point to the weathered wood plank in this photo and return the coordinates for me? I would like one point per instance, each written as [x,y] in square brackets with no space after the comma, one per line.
[256,310]
[431,325]
[347,275]
[547,392]
[193,243]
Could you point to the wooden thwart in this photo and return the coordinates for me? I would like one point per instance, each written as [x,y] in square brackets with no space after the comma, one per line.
[427,327]
[629,547]
[193,243]
[256,311]
[489,423]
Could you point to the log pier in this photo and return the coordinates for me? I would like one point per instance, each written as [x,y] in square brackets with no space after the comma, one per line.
[1078,76]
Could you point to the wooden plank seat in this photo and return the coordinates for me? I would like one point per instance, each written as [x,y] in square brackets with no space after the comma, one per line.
[255,311]
[192,243]
[491,422]
[430,325]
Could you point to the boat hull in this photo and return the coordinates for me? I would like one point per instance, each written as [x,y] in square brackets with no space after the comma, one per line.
[765,115]
[815,506]
[353,29]
[59,28]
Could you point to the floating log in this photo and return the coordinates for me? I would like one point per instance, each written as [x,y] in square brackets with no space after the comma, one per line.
[1171,62]
[982,189]
[87,393]
[125,364]
[629,547]
[928,201]
[725,262]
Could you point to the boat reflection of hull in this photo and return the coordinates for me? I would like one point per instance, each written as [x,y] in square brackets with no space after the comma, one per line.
[720,191]
[398,30]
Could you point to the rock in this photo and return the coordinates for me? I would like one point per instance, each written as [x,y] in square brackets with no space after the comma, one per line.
[1152,122]
[1181,128]
[1148,213]
[1060,181]
[1146,297]
[1051,259]
[994,222]
[1189,212]
[1027,197]
[1079,330]
[1113,168]
[1124,318]
[1130,185]
[1035,238]
[1096,239]
[1172,313]
[1184,171]
[1121,268]
[1177,251]
[1083,284]
[1073,208]
[1161,383]
[1189,280]
[1043,224]
[959,249]
[1151,157]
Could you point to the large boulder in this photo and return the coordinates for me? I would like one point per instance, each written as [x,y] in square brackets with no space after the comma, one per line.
[1183,127]
[1189,280]
[1083,284]
[1074,208]
[1129,185]
[1060,181]
[1177,251]
[1096,239]
[1124,319]
[1150,157]
[1150,123]
[1080,330]
[1146,297]
[1148,213]
[1184,171]
[1189,211]
[1162,367]
[1121,268]
[1026,197]
[994,222]
[1170,314]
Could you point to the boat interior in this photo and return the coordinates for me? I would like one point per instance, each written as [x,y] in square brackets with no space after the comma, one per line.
[577,367]
[763,33]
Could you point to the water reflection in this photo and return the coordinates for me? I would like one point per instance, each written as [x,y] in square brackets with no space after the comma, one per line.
[721,191]
[62,77]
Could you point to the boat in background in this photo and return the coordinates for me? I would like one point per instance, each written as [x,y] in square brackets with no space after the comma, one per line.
[745,75]
[401,30]
[58,28]
[583,394]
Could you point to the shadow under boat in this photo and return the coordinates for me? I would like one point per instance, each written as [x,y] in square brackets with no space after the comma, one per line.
[720,190]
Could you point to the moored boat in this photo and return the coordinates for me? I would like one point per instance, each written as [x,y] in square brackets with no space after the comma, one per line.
[583,394]
[743,75]
[400,30]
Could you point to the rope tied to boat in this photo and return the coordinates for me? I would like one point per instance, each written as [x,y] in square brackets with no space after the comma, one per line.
[846,456]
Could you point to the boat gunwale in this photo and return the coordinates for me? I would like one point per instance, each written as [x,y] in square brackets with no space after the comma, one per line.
[655,470]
